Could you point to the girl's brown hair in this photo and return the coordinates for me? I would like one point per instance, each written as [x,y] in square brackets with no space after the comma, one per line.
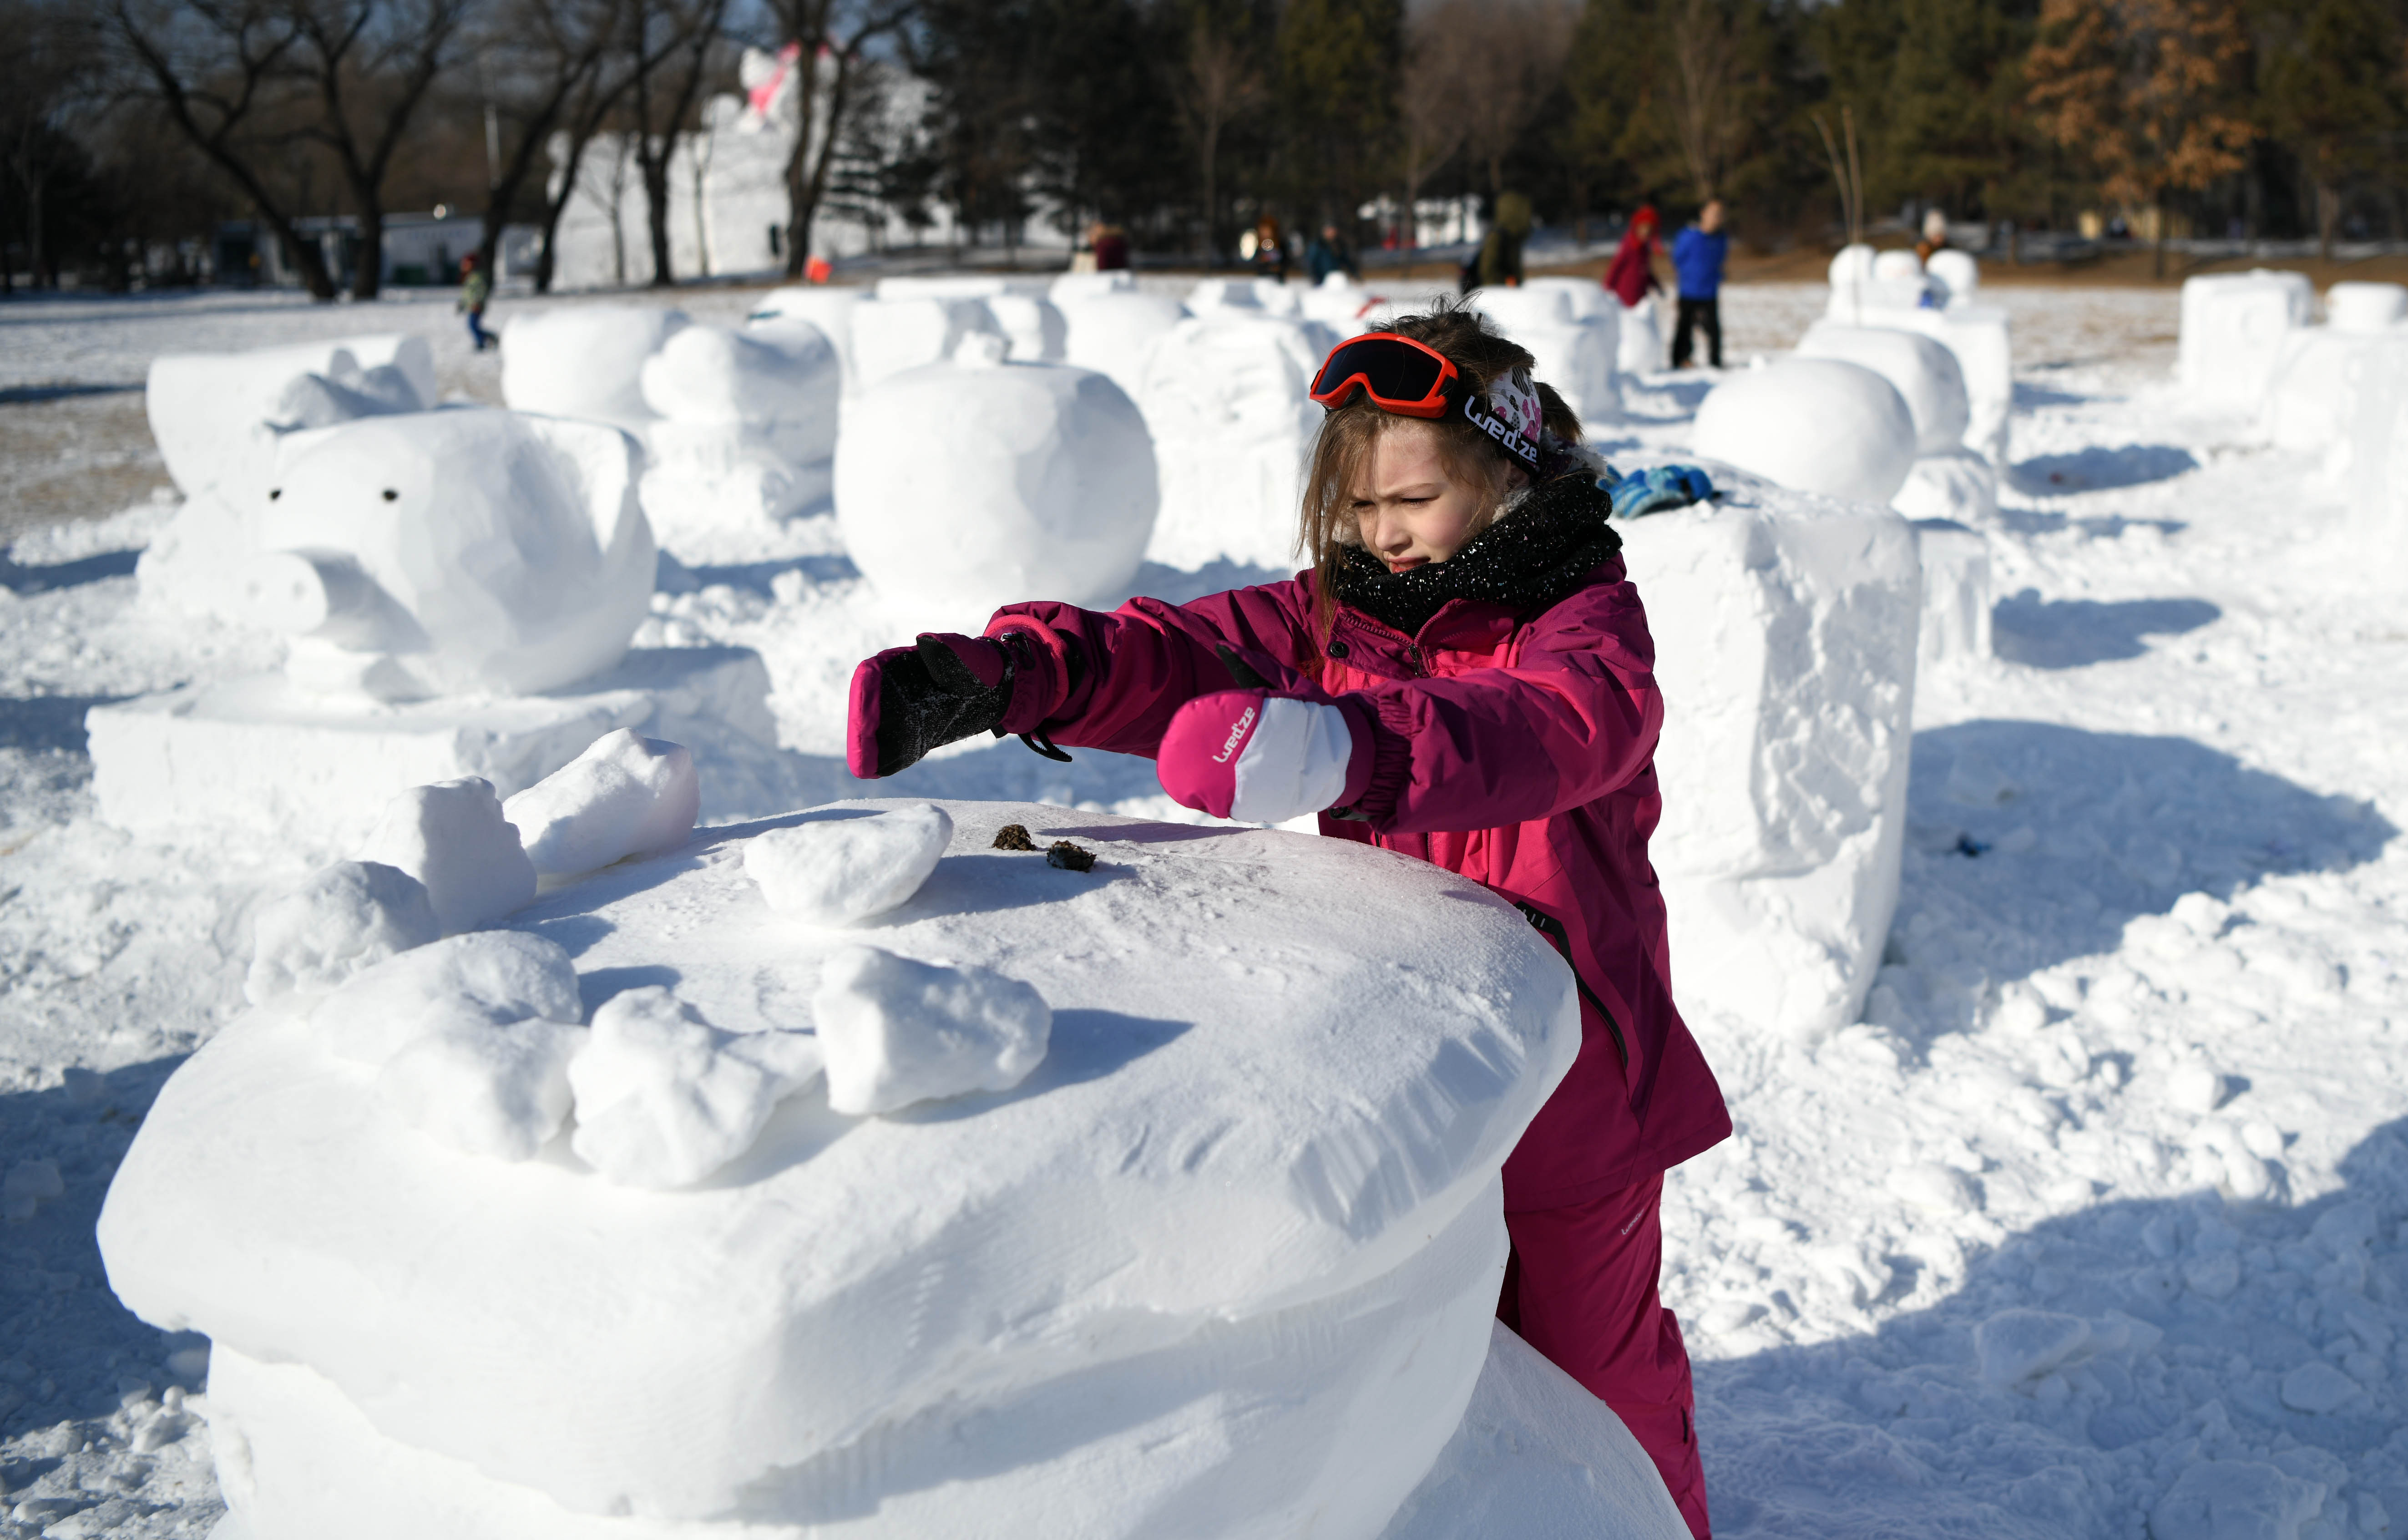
[1342,451]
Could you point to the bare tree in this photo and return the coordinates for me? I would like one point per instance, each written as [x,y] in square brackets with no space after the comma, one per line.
[829,37]
[1222,84]
[1500,63]
[1706,50]
[670,44]
[550,55]
[48,69]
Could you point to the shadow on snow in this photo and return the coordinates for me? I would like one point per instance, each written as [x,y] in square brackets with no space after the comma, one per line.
[2075,633]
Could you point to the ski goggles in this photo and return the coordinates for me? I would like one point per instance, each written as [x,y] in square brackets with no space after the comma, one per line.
[1397,373]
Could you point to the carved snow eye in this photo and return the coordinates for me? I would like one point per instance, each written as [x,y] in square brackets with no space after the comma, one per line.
[390,494]
[273,493]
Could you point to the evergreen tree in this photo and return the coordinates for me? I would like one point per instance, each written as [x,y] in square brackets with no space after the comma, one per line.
[2329,90]
[1337,68]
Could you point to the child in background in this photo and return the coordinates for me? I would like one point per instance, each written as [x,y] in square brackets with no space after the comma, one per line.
[474,288]
[1465,676]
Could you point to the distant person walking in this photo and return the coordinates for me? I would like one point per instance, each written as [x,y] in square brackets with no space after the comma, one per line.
[1270,249]
[1329,254]
[1935,236]
[1631,275]
[1501,255]
[1698,256]
[475,287]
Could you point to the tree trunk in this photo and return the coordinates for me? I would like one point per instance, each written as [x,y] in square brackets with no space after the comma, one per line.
[36,237]
[367,268]
[656,207]
[2327,215]
[2158,246]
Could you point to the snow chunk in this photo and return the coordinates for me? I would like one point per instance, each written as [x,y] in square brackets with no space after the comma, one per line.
[899,1031]
[2016,1346]
[452,837]
[1815,425]
[2233,327]
[485,979]
[624,796]
[2196,1088]
[499,1092]
[663,1100]
[584,360]
[844,870]
[347,917]
[2235,1500]
[2318,1387]
[1039,484]
[1928,1186]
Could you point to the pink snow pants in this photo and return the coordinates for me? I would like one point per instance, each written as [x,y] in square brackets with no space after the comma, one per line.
[1580,1286]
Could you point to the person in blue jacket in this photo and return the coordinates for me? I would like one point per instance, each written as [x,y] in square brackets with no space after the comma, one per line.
[1698,254]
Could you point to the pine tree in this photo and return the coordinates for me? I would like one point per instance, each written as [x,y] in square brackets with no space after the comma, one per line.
[2330,90]
[1338,66]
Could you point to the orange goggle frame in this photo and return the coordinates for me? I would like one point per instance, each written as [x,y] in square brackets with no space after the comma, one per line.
[1399,375]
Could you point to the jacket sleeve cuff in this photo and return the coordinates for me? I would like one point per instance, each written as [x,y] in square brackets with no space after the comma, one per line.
[1044,694]
[1382,762]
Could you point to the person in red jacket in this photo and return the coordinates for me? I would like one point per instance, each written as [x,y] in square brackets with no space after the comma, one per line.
[1465,676]
[1631,275]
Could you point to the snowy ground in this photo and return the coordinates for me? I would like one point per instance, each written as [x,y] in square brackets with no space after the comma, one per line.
[2098,1215]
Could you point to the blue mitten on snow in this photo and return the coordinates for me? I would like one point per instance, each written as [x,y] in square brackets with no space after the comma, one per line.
[1657,488]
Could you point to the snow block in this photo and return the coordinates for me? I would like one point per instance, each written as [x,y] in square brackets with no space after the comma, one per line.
[624,796]
[899,1032]
[844,870]
[1538,1457]
[891,336]
[1641,347]
[1957,484]
[1225,398]
[1227,1264]
[1113,332]
[347,917]
[1575,343]
[1815,425]
[1923,373]
[585,361]
[1786,626]
[1040,486]
[253,755]
[2366,307]
[779,380]
[454,552]
[2232,330]
[1956,564]
[452,836]
[217,416]
[486,978]
[663,1100]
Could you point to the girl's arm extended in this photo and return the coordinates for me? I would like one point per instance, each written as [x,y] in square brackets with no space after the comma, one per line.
[1126,672]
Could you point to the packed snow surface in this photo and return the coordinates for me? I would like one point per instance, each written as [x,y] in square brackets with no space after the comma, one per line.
[2133,1054]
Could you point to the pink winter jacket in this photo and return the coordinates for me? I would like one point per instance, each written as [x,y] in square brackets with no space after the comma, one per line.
[1516,750]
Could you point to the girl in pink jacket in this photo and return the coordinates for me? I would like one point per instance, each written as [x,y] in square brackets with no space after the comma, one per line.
[1466,676]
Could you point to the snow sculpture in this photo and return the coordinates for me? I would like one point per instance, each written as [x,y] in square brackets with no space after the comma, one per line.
[844,870]
[1958,484]
[452,552]
[1574,345]
[898,1033]
[970,483]
[1786,628]
[1956,563]
[1817,424]
[1899,267]
[346,918]
[828,310]
[1923,373]
[1115,331]
[1073,288]
[1018,308]
[2366,307]
[585,361]
[454,837]
[468,983]
[894,335]
[1033,326]
[664,1099]
[1225,397]
[2320,372]
[1642,349]
[624,796]
[1863,280]
[2233,325]
[1955,275]
[1265,1308]
[746,428]
[2372,460]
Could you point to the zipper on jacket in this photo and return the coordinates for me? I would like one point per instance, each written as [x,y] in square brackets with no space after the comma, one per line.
[1552,928]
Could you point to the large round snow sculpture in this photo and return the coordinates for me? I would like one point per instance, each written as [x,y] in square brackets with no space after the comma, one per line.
[1226,1264]
[1956,275]
[971,484]
[456,553]
[1923,372]
[1815,425]
[584,360]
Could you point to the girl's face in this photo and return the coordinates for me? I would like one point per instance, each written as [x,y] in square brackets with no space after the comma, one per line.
[1409,510]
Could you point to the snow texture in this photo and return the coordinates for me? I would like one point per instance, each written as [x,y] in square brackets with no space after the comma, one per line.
[1923,373]
[463,983]
[461,551]
[1574,343]
[624,796]
[1225,399]
[1786,628]
[499,1093]
[585,361]
[453,837]
[347,917]
[898,1033]
[1269,1298]
[1813,424]
[664,1099]
[2233,325]
[968,484]
[845,870]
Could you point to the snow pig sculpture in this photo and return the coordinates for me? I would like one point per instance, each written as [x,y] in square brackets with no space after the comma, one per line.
[454,553]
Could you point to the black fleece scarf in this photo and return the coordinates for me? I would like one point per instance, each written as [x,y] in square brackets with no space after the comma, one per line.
[1527,560]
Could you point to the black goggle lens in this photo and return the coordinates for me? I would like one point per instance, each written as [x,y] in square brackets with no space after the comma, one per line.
[1391,369]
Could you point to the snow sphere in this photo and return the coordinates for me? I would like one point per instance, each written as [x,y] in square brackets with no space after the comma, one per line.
[968,484]
[2365,307]
[584,360]
[1815,425]
[1896,266]
[1921,369]
[1115,331]
[449,553]
[1957,274]
[781,380]
[829,309]
[1853,264]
